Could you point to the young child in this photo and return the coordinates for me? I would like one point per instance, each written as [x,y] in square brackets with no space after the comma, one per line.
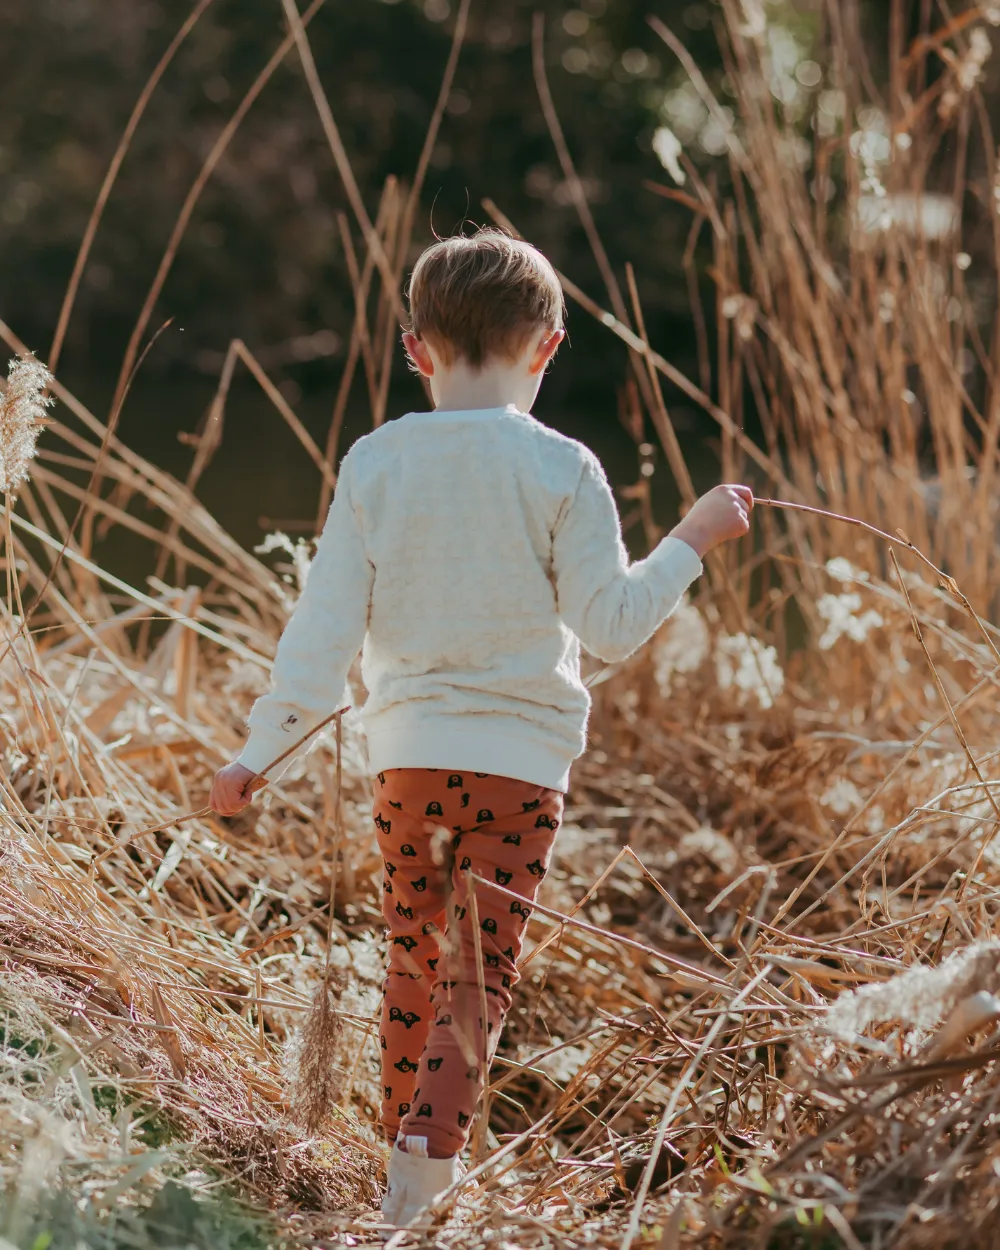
[469,551]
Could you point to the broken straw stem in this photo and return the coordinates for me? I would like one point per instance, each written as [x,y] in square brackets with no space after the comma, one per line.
[897,539]
[833,516]
[256,784]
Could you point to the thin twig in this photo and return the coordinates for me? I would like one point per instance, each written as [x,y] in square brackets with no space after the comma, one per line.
[257,783]
[209,166]
[104,194]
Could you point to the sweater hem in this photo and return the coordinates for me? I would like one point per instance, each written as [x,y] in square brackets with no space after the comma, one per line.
[469,748]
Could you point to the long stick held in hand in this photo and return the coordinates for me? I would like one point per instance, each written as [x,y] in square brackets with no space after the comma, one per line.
[255,785]
[316,1074]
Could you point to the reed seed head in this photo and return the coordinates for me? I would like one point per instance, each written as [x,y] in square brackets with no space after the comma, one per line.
[22,417]
[314,1062]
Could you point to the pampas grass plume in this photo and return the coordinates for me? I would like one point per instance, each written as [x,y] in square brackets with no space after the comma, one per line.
[22,416]
[314,1068]
[314,1061]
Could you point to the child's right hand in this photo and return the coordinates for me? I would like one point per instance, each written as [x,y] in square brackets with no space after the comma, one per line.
[722,514]
[231,790]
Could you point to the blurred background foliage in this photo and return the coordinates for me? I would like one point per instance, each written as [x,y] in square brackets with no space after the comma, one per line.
[262,259]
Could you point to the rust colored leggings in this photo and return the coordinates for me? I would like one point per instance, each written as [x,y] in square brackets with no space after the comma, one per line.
[435,829]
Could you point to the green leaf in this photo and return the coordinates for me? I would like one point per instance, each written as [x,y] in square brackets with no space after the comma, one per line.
[720,1159]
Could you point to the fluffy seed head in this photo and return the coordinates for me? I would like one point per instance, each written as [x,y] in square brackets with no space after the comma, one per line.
[315,1071]
[22,416]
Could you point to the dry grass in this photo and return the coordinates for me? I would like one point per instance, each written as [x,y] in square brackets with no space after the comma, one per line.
[760,1001]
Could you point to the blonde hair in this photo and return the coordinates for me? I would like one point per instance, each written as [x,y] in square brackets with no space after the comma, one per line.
[482,297]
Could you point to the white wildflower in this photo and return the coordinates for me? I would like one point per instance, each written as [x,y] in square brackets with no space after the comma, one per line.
[276,541]
[686,112]
[842,570]
[563,1064]
[302,560]
[681,647]
[920,996]
[743,663]
[300,552]
[844,618]
[668,148]
[970,68]
[22,416]
[842,797]
[713,845]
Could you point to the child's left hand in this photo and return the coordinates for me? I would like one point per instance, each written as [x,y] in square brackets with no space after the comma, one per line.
[231,790]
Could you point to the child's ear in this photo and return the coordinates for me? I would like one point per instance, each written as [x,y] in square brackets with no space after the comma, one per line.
[419,356]
[546,349]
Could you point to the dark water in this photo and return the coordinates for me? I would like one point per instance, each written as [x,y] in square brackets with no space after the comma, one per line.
[261,478]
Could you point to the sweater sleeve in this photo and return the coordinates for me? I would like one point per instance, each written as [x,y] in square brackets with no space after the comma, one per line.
[320,641]
[613,607]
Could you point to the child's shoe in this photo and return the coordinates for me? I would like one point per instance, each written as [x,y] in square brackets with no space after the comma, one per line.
[415,1182]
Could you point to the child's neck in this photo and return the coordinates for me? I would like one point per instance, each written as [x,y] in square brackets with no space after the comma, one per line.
[459,387]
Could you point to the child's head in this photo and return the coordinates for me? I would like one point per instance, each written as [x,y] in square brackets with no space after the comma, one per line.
[483,301]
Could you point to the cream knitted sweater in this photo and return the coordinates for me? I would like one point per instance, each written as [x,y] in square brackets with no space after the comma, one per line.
[469,554]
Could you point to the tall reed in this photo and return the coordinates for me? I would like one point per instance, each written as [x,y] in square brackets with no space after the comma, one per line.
[760,997]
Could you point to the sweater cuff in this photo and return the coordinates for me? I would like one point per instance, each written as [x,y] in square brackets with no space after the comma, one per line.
[261,748]
[679,561]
